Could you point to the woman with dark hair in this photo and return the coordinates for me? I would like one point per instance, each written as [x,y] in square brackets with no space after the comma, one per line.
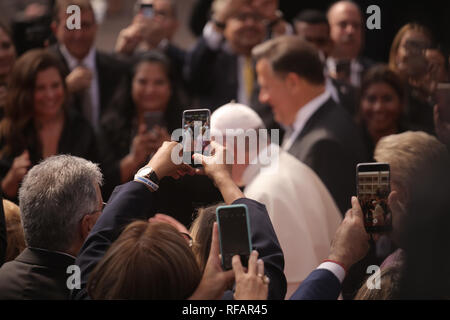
[37,123]
[408,58]
[7,59]
[381,105]
[147,98]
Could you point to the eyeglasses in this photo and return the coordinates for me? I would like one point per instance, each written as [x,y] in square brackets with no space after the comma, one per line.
[188,238]
[101,210]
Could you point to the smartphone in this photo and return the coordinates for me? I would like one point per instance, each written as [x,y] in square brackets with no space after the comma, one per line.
[234,234]
[147,10]
[443,100]
[373,188]
[196,133]
[153,119]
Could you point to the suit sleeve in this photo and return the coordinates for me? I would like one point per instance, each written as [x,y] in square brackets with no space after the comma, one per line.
[265,241]
[336,169]
[321,284]
[129,202]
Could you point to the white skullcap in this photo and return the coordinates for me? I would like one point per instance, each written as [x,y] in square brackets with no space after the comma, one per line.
[234,116]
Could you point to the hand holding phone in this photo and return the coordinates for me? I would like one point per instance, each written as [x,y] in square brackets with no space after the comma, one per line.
[147,10]
[373,184]
[234,234]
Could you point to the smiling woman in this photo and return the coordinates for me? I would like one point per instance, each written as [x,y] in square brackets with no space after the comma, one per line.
[37,124]
[381,105]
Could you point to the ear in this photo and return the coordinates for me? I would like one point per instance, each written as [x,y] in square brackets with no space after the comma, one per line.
[396,201]
[87,223]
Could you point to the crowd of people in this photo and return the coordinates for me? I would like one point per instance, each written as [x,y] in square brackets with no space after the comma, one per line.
[88,178]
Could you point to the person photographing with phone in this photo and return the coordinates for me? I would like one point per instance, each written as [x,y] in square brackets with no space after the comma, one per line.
[136,201]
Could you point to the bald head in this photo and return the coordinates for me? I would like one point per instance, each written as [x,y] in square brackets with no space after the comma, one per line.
[346,29]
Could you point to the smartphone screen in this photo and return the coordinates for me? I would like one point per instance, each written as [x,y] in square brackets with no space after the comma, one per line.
[373,183]
[234,234]
[153,119]
[196,133]
[147,10]
[443,100]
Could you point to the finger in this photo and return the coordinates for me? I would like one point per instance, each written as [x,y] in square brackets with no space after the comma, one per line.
[260,266]
[198,159]
[142,129]
[356,208]
[252,267]
[237,266]
[215,247]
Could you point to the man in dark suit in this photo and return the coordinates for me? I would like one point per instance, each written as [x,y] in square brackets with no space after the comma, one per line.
[319,132]
[345,62]
[137,200]
[350,245]
[92,76]
[60,201]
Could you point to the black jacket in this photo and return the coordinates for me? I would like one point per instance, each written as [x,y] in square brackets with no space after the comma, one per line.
[133,201]
[331,145]
[37,275]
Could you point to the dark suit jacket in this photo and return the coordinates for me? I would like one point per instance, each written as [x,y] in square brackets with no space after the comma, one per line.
[36,274]
[321,284]
[133,201]
[331,145]
[212,76]
[110,73]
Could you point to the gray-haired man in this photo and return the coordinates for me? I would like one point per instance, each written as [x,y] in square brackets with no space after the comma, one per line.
[60,201]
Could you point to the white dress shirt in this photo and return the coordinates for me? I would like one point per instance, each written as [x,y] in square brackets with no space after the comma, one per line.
[88,62]
[302,117]
[303,213]
[355,70]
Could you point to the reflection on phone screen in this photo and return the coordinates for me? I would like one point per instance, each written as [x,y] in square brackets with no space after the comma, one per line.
[373,192]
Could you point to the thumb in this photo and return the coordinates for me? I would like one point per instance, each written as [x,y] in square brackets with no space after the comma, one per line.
[356,208]
[199,158]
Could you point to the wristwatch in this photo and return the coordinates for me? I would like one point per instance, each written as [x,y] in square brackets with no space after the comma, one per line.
[147,176]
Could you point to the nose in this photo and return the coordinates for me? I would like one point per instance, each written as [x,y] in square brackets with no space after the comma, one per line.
[378,106]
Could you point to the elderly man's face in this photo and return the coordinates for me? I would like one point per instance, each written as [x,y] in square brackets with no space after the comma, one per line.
[245,29]
[346,30]
[166,17]
[273,91]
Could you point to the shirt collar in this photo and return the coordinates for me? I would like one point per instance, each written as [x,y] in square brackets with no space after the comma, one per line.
[306,112]
[72,62]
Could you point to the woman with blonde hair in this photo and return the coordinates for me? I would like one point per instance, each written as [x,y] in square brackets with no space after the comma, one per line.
[408,58]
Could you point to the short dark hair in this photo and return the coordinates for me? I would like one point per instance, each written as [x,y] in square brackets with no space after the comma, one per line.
[382,73]
[292,54]
[311,16]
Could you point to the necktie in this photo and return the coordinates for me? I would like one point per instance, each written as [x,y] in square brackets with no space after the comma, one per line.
[248,77]
[86,100]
